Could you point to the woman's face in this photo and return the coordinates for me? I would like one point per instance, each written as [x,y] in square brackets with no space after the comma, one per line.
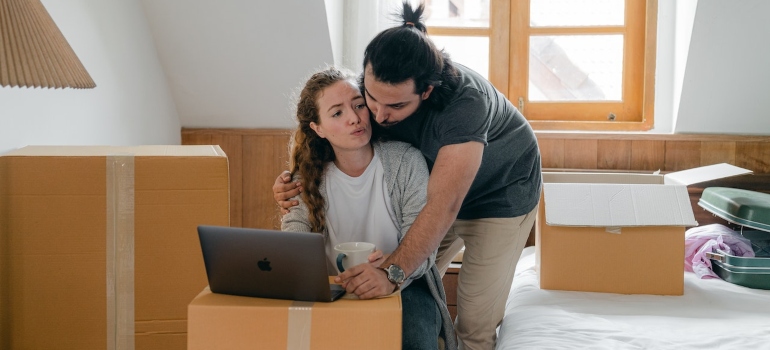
[343,117]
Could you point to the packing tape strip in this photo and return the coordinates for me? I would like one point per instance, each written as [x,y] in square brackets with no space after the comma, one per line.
[300,314]
[120,252]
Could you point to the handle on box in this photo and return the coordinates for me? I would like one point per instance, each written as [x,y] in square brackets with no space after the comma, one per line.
[340,256]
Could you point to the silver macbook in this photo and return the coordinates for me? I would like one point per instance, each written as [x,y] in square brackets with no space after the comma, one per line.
[267,264]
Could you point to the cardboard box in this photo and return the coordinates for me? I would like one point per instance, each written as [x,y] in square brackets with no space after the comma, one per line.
[98,245]
[617,233]
[218,321]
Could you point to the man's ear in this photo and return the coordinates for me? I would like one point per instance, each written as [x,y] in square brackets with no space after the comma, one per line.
[427,92]
[317,130]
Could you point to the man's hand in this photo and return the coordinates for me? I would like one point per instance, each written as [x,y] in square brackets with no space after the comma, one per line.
[366,281]
[376,258]
[284,189]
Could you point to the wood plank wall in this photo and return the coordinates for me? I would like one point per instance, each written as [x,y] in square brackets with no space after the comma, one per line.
[257,156]
[652,152]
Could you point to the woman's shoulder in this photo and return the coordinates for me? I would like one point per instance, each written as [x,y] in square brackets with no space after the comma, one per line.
[397,149]
[399,157]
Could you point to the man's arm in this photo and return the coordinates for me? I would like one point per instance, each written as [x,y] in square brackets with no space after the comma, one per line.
[451,178]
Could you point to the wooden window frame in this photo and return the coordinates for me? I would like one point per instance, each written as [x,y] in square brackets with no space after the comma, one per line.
[508,35]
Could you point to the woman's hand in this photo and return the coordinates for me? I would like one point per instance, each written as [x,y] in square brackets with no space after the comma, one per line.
[284,189]
[367,281]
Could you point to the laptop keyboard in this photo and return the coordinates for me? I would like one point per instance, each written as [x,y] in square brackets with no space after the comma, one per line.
[337,291]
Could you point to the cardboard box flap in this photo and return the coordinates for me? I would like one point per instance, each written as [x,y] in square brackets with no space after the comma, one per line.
[140,151]
[616,205]
[605,178]
[704,173]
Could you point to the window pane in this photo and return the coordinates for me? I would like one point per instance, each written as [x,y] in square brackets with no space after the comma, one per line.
[567,13]
[576,68]
[470,51]
[457,13]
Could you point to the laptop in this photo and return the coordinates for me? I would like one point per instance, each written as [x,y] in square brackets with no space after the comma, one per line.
[267,264]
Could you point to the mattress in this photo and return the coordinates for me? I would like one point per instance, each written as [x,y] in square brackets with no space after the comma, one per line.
[712,314]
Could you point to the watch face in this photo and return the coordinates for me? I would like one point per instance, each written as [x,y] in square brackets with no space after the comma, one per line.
[396,274]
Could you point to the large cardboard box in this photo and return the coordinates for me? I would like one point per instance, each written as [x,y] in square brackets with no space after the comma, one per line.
[218,321]
[98,245]
[617,233]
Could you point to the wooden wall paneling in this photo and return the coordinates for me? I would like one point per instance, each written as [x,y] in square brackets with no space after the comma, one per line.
[682,155]
[648,155]
[551,153]
[257,156]
[196,138]
[580,154]
[232,145]
[264,158]
[753,156]
[613,154]
[255,192]
[715,152]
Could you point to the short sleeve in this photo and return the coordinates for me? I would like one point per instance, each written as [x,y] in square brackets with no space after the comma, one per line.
[466,118]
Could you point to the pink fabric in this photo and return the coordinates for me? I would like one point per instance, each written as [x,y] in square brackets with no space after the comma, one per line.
[703,239]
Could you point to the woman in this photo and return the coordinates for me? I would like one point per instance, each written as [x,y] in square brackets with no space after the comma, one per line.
[358,190]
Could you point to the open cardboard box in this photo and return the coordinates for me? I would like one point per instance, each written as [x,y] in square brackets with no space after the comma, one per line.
[617,233]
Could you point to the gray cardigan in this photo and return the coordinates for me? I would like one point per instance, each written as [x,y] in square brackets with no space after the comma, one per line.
[406,177]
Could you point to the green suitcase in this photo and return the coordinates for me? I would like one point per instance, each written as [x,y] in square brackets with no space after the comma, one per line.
[750,211]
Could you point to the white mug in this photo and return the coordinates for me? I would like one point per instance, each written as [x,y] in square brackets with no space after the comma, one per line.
[350,254]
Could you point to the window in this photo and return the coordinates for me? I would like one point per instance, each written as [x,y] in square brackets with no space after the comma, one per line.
[567,64]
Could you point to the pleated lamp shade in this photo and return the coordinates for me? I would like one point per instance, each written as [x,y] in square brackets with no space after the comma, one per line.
[33,52]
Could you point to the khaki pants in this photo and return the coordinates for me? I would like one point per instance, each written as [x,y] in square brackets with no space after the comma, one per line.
[492,249]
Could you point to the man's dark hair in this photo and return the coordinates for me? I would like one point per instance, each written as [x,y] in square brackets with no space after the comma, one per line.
[405,52]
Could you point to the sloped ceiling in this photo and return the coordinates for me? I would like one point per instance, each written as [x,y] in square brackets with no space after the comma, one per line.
[236,63]
[725,80]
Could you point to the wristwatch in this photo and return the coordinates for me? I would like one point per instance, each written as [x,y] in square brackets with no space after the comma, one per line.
[396,275]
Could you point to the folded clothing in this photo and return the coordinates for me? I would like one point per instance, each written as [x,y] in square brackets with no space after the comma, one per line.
[704,239]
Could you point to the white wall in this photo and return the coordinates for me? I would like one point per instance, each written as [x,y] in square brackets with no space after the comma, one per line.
[685,16]
[235,63]
[334,17]
[725,87]
[131,104]
[665,53]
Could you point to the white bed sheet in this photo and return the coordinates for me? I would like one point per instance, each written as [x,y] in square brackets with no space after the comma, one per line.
[712,314]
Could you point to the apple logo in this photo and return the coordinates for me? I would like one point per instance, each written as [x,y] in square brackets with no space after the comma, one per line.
[264,265]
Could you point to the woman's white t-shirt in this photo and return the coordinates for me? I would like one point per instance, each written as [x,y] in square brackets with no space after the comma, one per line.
[359,209]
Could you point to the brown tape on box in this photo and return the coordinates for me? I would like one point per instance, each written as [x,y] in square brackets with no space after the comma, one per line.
[120,252]
[300,315]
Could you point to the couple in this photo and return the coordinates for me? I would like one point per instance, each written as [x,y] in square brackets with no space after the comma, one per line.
[475,181]
[357,187]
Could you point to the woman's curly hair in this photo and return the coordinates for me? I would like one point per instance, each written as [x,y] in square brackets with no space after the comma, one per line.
[309,152]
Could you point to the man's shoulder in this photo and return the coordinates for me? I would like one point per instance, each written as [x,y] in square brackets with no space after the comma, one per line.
[471,96]
[469,106]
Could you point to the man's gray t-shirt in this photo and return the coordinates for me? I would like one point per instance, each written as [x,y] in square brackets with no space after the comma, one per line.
[508,181]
